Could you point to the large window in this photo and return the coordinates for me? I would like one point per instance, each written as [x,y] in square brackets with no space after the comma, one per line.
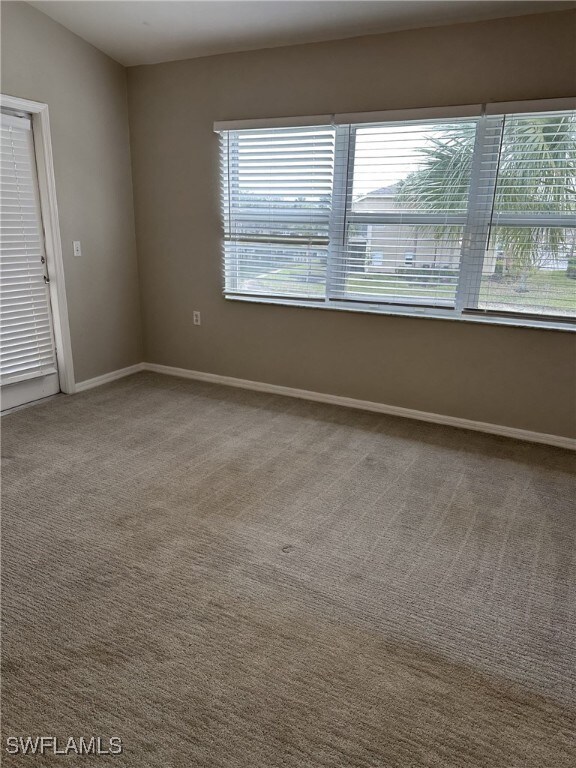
[470,216]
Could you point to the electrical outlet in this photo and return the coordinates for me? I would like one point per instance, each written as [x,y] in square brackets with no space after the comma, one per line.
[77,248]
[196,317]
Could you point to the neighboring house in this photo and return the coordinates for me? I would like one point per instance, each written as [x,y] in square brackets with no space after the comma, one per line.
[389,248]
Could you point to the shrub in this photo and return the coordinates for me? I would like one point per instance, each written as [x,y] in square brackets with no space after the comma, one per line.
[426,274]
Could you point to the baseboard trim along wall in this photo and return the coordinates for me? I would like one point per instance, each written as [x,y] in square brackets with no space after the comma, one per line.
[120,373]
[347,402]
[366,405]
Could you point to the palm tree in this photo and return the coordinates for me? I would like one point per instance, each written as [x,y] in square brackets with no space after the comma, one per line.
[441,183]
[537,174]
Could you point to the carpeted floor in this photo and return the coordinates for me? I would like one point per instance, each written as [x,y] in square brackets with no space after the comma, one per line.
[230,579]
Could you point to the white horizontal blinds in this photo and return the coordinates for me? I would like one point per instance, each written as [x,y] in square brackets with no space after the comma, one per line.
[27,346]
[530,262]
[407,190]
[277,197]
[464,210]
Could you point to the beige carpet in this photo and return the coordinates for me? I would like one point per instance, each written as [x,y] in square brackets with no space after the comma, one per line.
[226,578]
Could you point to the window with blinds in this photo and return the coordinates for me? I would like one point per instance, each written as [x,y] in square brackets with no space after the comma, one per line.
[405,212]
[27,344]
[530,260]
[277,205]
[461,216]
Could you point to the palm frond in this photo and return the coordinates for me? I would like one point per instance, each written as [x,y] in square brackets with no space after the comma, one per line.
[537,174]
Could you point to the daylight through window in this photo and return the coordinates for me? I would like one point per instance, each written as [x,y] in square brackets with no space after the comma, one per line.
[451,217]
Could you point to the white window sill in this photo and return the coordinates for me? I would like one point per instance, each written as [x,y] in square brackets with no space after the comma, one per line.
[515,321]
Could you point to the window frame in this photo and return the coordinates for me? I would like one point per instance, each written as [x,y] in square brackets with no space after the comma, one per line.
[477,221]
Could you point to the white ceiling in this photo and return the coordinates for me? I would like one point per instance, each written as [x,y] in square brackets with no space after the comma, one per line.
[136,32]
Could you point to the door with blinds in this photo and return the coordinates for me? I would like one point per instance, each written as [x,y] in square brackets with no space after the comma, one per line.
[28,367]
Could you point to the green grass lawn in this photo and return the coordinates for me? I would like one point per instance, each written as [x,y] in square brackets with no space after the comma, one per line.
[397,286]
[295,280]
[546,290]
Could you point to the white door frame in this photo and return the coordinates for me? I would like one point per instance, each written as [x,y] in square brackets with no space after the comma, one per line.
[49,211]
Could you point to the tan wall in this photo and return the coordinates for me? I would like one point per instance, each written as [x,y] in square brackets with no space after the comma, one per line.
[86,93]
[518,377]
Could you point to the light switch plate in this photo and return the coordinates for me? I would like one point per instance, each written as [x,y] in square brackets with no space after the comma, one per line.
[77,248]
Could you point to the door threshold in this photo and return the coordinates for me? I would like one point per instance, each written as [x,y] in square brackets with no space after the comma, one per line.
[31,403]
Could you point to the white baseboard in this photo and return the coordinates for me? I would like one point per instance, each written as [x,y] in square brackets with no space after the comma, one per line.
[97,381]
[347,402]
[365,405]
